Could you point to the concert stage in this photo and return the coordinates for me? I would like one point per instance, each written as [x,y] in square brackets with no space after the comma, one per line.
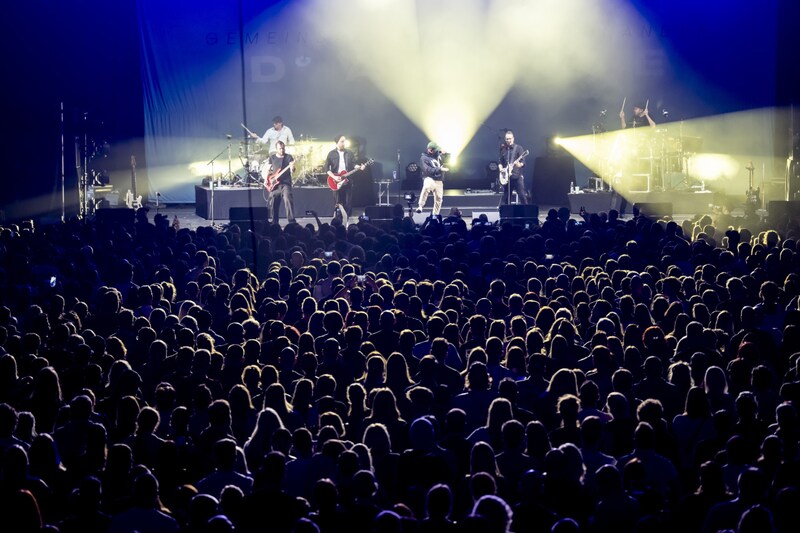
[320,199]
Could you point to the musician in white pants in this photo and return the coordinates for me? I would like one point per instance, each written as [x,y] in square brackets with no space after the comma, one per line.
[431,164]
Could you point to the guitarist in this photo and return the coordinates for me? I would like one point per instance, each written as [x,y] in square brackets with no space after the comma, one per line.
[283,188]
[511,154]
[341,160]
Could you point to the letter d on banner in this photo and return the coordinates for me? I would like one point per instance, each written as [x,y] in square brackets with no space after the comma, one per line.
[267,69]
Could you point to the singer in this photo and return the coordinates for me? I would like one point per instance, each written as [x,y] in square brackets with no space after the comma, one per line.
[430,161]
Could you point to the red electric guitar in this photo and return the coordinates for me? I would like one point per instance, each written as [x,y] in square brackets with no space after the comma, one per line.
[341,179]
[272,179]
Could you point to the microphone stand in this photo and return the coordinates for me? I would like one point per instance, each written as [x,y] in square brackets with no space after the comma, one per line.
[509,153]
[212,180]
[83,176]
[398,164]
[229,176]
[63,169]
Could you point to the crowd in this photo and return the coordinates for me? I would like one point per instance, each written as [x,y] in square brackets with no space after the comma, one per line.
[595,375]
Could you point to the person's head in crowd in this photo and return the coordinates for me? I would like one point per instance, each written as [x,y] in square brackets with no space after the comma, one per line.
[496,511]
[565,525]
[644,437]
[478,378]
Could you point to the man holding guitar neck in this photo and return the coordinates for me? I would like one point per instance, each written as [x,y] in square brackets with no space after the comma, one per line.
[341,161]
[279,183]
[512,161]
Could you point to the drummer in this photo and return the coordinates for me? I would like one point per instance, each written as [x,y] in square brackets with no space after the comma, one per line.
[278,132]
[641,117]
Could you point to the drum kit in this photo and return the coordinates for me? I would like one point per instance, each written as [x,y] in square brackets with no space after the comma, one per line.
[309,154]
[650,160]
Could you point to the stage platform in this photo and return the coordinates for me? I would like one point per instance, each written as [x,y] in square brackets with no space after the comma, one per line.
[683,202]
[319,199]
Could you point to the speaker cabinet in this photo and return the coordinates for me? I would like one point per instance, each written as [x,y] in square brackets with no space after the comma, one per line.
[124,216]
[551,179]
[780,211]
[246,214]
[512,211]
[383,212]
[653,210]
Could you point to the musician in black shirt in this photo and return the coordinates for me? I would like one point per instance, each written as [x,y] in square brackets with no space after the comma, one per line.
[641,118]
[513,154]
[340,161]
[282,189]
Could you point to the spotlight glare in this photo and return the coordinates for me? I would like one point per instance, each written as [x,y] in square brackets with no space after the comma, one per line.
[705,149]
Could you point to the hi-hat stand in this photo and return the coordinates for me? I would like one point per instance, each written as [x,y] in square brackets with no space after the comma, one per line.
[229,177]
[213,178]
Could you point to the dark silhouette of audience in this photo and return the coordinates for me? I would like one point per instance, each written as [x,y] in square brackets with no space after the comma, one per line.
[584,375]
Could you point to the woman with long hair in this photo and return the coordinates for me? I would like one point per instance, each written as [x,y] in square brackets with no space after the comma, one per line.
[243,414]
[385,411]
[260,442]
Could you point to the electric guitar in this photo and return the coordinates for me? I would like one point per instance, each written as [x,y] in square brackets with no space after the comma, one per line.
[272,179]
[132,200]
[341,179]
[505,172]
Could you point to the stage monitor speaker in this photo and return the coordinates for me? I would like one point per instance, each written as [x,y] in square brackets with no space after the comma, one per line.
[364,192]
[519,212]
[653,210]
[116,215]
[779,211]
[383,212]
[246,214]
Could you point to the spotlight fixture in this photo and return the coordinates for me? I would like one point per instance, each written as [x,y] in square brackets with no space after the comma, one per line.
[413,179]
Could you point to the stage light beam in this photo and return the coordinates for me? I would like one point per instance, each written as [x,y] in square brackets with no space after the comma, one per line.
[713,149]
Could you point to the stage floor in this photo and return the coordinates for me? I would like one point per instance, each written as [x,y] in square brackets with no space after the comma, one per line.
[683,202]
[188,218]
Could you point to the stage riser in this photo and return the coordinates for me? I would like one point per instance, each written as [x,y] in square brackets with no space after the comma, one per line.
[457,198]
[319,199]
[682,202]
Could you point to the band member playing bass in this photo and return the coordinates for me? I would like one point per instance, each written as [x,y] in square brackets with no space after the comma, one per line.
[512,161]
[278,132]
[341,160]
[279,183]
[430,162]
